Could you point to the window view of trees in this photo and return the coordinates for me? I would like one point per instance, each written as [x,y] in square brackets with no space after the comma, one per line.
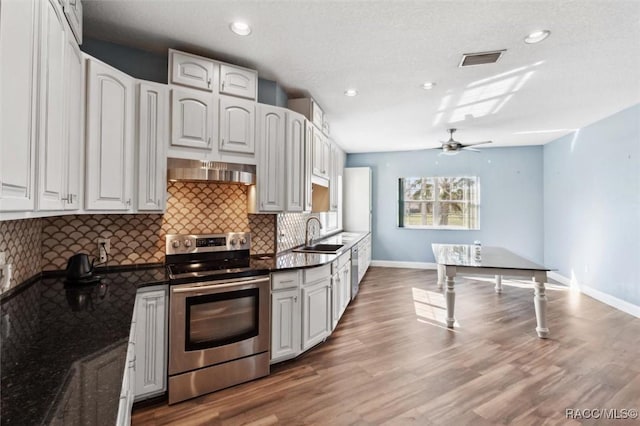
[439,202]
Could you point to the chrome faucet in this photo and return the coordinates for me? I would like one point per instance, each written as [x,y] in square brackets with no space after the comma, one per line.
[306,231]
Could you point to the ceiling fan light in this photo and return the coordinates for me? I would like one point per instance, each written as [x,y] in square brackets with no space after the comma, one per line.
[240,28]
[537,36]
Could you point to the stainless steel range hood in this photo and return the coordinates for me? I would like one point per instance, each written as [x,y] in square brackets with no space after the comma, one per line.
[179,169]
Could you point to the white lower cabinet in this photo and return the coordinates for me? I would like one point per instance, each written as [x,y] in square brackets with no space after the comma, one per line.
[316,312]
[285,324]
[336,298]
[145,371]
[151,342]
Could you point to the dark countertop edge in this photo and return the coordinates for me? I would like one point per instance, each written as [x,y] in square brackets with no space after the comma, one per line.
[12,292]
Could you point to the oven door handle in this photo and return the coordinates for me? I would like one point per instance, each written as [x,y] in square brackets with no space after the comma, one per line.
[212,286]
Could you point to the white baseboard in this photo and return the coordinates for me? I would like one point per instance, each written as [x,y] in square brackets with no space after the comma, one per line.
[605,298]
[409,265]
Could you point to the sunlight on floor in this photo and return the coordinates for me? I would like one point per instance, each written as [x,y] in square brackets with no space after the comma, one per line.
[430,307]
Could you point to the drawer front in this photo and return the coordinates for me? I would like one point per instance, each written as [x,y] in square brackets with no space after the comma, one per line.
[344,259]
[312,275]
[281,280]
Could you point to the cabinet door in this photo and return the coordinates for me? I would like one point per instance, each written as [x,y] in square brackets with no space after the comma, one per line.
[52,147]
[238,81]
[153,116]
[74,100]
[151,344]
[308,167]
[317,116]
[316,313]
[18,71]
[271,142]
[346,287]
[334,181]
[326,157]
[318,166]
[73,11]
[336,299]
[109,147]
[285,324]
[237,125]
[193,71]
[295,161]
[192,113]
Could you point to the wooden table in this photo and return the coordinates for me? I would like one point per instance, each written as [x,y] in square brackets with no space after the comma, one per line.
[497,261]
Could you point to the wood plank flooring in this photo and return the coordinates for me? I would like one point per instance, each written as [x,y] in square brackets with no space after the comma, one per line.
[391,360]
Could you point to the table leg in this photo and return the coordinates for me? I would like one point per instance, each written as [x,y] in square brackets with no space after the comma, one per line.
[440,269]
[498,287]
[540,303]
[450,295]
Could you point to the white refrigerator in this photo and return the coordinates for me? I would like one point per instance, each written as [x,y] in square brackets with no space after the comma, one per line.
[357,199]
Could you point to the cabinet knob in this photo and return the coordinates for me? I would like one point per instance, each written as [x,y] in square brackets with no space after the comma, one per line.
[223,85]
[128,202]
[209,83]
[295,299]
[209,141]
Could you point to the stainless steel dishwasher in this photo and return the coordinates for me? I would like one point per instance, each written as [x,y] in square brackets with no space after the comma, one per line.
[354,272]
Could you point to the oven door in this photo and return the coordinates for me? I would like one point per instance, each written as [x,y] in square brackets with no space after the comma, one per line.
[217,321]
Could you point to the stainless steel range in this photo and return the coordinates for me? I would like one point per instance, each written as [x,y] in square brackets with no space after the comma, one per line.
[219,314]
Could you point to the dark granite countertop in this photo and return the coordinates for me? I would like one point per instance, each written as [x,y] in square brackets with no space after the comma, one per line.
[54,338]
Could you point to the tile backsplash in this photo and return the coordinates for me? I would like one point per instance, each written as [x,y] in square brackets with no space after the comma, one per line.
[45,244]
[291,229]
[21,240]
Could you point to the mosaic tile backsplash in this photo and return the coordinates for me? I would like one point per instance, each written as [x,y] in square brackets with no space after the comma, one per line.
[21,241]
[291,229]
[45,244]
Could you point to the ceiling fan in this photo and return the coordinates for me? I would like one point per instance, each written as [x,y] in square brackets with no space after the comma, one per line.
[452,147]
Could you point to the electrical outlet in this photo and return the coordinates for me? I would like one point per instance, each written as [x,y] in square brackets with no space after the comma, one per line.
[104,248]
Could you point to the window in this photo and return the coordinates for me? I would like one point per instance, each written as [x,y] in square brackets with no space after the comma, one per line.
[439,202]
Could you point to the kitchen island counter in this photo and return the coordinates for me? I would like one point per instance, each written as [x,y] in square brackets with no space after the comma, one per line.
[63,348]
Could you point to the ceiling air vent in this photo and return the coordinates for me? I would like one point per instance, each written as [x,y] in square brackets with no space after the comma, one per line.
[481,58]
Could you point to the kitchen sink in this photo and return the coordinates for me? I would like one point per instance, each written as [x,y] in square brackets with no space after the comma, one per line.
[320,248]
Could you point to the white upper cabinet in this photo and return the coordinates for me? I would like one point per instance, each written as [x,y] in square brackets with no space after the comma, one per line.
[52,146]
[295,162]
[336,177]
[192,115]
[321,155]
[73,12]
[110,152]
[18,71]
[237,125]
[74,99]
[152,135]
[193,71]
[308,167]
[271,158]
[238,81]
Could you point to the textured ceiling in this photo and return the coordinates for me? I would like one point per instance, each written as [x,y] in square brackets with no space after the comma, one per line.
[586,70]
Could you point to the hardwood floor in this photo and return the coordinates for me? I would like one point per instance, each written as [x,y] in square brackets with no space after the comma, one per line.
[391,360]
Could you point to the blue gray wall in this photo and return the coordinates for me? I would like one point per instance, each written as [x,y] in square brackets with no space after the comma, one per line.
[592,205]
[135,62]
[511,212]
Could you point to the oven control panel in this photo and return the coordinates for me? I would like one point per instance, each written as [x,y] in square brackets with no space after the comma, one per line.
[189,243]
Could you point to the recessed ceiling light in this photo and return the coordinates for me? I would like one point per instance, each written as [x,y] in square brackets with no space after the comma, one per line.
[537,36]
[351,92]
[428,85]
[240,28]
